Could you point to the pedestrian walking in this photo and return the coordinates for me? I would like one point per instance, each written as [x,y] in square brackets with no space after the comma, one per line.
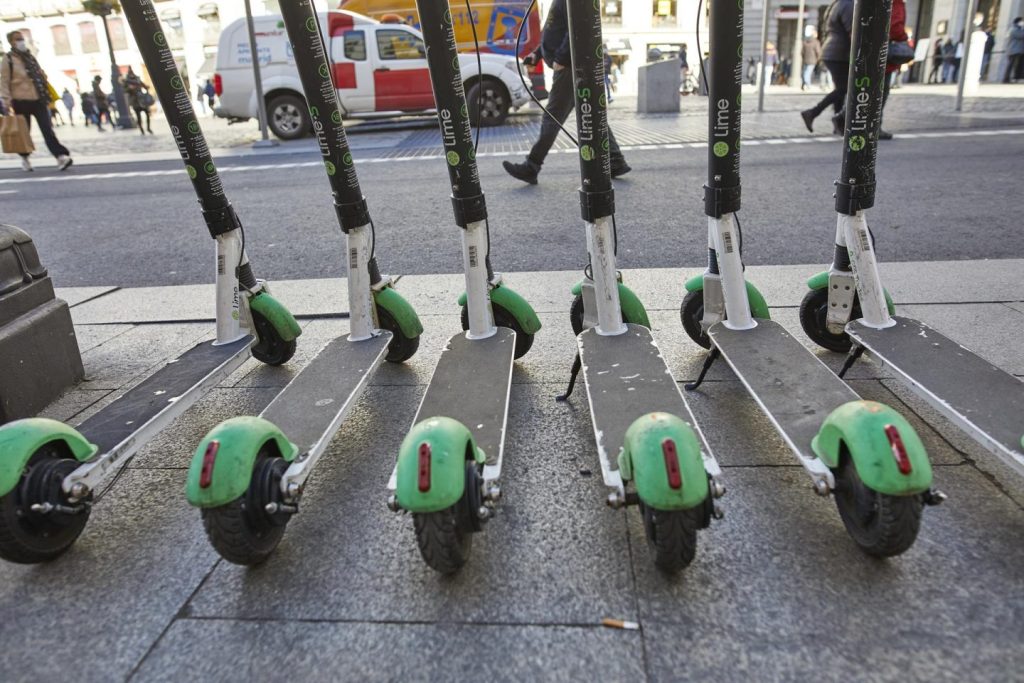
[210,92]
[608,75]
[554,49]
[958,58]
[1014,51]
[89,110]
[835,53]
[24,91]
[935,74]
[948,60]
[771,60]
[69,103]
[897,34]
[811,55]
[752,71]
[101,102]
[986,54]
[139,99]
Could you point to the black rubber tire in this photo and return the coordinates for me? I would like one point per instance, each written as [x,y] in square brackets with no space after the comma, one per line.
[401,348]
[242,532]
[269,347]
[495,106]
[672,536]
[576,315]
[882,525]
[444,542]
[813,314]
[503,318]
[691,312]
[288,117]
[27,537]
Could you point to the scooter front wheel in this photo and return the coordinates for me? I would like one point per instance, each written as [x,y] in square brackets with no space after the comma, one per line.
[445,537]
[814,316]
[672,536]
[243,531]
[401,348]
[502,318]
[271,348]
[882,525]
[691,312]
[30,536]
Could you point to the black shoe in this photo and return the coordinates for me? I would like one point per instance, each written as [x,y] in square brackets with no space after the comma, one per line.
[526,171]
[884,134]
[620,167]
[839,123]
[808,116]
[149,130]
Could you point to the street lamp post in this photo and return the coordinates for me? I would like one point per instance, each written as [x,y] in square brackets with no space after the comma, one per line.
[104,8]
[261,106]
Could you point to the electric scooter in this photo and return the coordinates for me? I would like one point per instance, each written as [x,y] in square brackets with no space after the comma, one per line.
[49,470]
[863,452]
[848,309]
[651,450]
[248,474]
[449,464]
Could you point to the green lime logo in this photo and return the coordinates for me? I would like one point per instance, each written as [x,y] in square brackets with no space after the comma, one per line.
[587,152]
[455,62]
[597,5]
[191,171]
[347,159]
[448,17]
[464,110]
[737,145]
[857,142]
[210,168]
[336,116]
[234,314]
[314,112]
[453,158]
[159,38]
[599,51]
[176,82]
[331,168]
[311,24]
[603,101]
[739,51]
[606,144]
[739,3]
[739,100]
[324,70]
[193,127]
[471,154]
[720,149]
[280,24]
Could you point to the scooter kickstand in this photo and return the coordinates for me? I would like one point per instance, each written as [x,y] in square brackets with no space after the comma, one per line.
[576,365]
[708,362]
[856,352]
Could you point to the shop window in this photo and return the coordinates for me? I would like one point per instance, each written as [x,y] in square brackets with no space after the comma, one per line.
[665,13]
[61,41]
[90,41]
[611,12]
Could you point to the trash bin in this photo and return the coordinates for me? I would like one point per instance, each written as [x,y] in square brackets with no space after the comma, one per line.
[39,355]
[658,89]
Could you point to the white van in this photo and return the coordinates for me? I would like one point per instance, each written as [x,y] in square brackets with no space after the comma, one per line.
[377,68]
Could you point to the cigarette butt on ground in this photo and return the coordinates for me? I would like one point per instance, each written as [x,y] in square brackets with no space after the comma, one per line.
[619,623]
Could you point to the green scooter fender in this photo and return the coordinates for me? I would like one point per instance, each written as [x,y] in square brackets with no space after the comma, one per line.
[432,464]
[516,305]
[239,440]
[21,438]
[633,311]
[401,310]
[861,427]
[758,306]
[820,281]
[276,314]
[656,446]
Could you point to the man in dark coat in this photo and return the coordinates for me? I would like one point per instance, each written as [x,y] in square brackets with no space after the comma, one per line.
[835,53]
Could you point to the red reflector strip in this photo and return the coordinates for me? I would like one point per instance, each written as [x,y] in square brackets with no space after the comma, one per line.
[206,473]
[424,469]
[899,451]
[675,477]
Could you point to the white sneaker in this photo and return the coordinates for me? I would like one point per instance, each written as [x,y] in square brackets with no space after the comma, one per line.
[63,161]
[26,165]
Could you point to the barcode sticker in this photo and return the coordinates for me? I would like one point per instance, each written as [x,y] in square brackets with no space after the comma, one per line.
[220,264]
[865,240]
[727,240]
[353,259]
[472,256]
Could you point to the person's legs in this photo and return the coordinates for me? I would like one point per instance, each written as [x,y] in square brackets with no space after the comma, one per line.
[560,103]
[149,127]
[840,73]
[42,117]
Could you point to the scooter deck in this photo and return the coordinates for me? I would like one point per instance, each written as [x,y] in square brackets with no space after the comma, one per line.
[141,412]
[471,384]
[626,378]
[790,384]
[978,397]
[311,409]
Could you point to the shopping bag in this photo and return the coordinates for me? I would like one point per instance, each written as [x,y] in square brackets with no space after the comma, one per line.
[14,135]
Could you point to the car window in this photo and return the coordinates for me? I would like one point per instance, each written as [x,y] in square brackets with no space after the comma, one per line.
[355,45]
[399,44]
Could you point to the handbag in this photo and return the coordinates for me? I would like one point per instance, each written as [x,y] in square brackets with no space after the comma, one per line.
[146,100]
[14,135]
[900,53]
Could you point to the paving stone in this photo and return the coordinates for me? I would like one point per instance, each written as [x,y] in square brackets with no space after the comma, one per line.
[76,295]
[91,336]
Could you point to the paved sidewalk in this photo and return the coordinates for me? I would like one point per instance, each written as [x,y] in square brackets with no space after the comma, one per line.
[778,591]
[911,108]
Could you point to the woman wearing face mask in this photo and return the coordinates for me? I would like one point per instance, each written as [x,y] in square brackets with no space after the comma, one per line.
[24,91]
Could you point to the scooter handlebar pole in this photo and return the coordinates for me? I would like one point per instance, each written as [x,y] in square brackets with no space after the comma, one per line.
[452,111]
[855,189]
[303,27]
[722,191]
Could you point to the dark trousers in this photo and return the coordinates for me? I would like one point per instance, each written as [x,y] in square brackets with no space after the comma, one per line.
[138,115]
[35,109]
[1012,66]
[561,101]
[837,98]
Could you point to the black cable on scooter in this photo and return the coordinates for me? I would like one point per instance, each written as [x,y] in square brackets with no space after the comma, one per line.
[529,88]
[479,75]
